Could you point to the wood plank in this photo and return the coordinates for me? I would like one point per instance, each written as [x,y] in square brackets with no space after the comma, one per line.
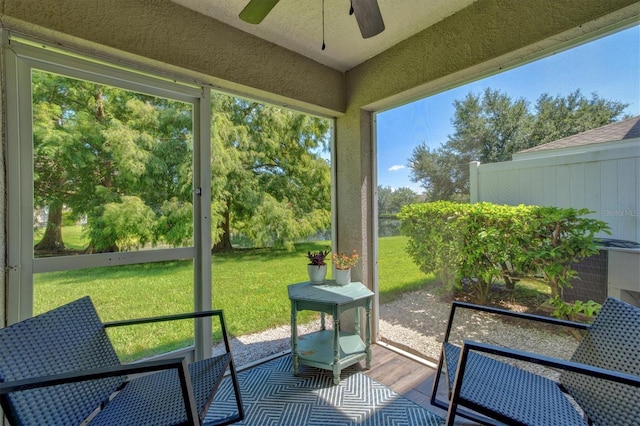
[406,376]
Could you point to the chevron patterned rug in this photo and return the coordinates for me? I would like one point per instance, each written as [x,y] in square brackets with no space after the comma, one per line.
[272,395]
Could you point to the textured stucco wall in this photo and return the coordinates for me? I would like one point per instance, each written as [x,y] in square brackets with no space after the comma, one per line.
[169,33]
[490,33]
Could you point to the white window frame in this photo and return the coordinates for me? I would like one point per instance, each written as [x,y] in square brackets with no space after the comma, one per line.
[21,56]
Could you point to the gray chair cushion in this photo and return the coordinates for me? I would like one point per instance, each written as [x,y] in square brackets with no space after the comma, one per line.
[613,342]
[510,392]
[156,399]
[39,346]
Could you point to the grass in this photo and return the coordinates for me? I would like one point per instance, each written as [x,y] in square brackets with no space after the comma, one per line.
[127,292]
[397,273]
[73,239]
[72,236]
[249,284]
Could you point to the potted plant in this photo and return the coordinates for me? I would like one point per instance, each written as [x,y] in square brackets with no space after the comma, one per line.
[317,266]
[343,263]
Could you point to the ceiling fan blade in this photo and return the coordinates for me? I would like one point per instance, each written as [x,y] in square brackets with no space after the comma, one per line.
[368,16]
[256,10]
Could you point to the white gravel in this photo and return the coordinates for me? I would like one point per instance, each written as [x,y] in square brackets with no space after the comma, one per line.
[252,348]
[417,321]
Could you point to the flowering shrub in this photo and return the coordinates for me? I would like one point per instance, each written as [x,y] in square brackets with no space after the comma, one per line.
[345,261]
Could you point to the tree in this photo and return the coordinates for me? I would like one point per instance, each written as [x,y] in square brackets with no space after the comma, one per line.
[441,172]
[101,151]
[61,108]
[559,117]
[146,153]
[269,179]
[384,199]
[491,127]
[391,201]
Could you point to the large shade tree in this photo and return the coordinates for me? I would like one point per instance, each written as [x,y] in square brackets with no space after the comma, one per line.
[53,136]
[102,153]
[124,161]
[271,181]
[491,126]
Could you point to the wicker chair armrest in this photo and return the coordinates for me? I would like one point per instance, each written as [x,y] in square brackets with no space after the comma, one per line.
[188,315]
[173,317]
[530,317]
[602,373]
[92,374]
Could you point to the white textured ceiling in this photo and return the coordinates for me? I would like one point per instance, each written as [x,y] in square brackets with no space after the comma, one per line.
[297,25]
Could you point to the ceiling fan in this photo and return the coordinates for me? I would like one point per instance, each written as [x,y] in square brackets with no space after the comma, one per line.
[367,14]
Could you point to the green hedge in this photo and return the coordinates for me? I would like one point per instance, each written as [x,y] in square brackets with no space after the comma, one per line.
[484,242]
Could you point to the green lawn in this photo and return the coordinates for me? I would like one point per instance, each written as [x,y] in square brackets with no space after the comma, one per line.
[397,273]
[250,285]
[72,236]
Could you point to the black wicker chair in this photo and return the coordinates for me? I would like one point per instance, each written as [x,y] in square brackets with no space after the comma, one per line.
[59,368]
[602,377]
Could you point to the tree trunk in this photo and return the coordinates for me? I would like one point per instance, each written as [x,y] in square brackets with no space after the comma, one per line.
[555,289]
[106,178]
[225,240]
[509,283]
[52,239]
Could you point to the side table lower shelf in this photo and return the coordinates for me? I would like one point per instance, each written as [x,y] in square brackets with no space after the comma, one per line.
[316,350]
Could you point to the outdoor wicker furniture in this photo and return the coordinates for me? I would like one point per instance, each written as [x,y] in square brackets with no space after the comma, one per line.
[602,377]
[59,368]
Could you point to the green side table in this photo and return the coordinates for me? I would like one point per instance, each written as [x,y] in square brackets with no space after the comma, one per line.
[330,349]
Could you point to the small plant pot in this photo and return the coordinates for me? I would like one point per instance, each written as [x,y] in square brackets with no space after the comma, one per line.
[317,274]
[343,276]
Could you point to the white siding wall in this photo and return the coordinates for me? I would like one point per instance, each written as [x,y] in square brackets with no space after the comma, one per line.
[605,180]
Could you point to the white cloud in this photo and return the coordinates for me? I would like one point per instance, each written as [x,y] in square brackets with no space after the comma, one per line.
[396,167]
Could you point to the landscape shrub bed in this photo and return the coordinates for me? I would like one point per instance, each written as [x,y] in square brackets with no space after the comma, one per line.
[486,242]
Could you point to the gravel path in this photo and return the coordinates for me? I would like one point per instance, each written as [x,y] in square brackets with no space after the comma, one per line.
[251,348]
[417,321]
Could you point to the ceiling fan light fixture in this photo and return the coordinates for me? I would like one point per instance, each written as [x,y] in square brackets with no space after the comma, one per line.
[368,17]
[256,10]
[367,14]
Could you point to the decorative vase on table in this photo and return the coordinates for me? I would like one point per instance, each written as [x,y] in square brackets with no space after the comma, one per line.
[317,273]
[317,267]
[343,276]
[342,263]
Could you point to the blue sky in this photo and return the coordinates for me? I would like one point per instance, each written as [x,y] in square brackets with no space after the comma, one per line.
[609,66]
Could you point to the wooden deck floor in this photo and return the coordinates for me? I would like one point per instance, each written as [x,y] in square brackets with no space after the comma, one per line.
[406,376]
